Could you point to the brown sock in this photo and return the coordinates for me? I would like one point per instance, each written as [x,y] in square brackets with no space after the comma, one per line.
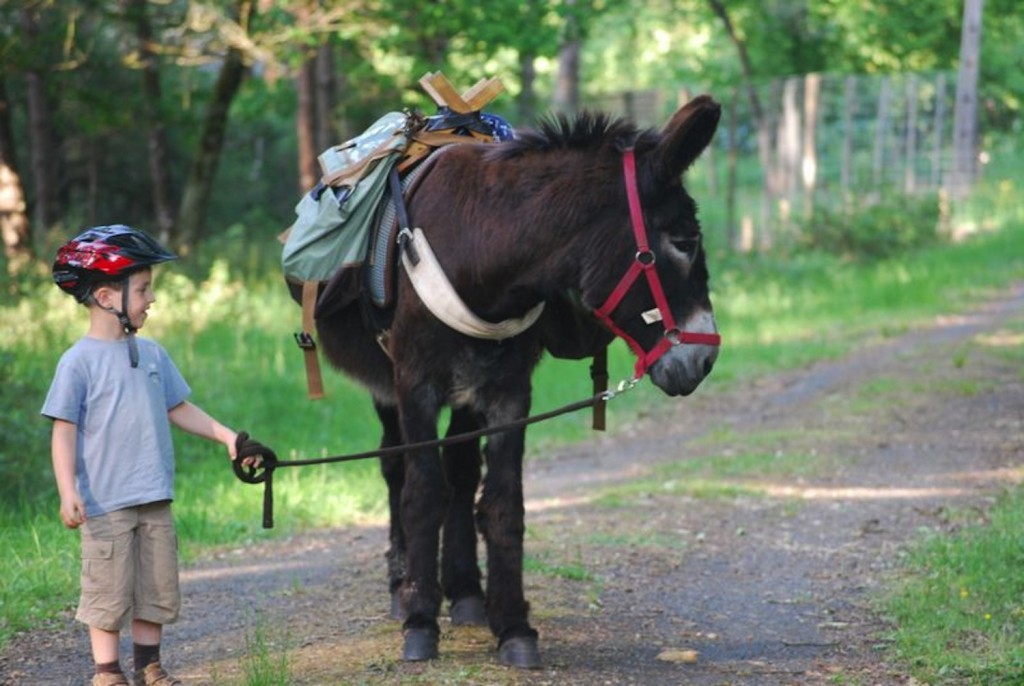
[108,667]
[145,655]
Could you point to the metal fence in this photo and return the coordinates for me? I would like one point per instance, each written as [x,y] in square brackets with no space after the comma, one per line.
[829,141]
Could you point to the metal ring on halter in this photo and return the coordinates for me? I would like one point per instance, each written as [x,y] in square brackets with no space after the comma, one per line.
[674,336]
[646,258]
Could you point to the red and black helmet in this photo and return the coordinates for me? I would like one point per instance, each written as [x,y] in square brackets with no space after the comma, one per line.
[103,254]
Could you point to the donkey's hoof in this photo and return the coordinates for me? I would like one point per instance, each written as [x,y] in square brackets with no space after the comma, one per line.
[396,608]
[420,644]
[469,611]
[520,651]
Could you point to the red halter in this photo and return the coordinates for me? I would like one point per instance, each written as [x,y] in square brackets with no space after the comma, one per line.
[644,263]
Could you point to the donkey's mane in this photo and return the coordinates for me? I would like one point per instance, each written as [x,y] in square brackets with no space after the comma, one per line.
[587,130]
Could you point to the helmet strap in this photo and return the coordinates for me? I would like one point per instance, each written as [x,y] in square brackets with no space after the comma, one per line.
[133,350]
[126,324]
[124,321]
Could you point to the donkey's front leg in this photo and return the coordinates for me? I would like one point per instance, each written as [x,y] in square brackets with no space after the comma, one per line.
[425,498]
[501,519]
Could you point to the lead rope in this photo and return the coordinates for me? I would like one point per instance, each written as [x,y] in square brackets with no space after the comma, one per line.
[264,473]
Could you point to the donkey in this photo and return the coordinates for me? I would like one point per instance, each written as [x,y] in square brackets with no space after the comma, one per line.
[587,215]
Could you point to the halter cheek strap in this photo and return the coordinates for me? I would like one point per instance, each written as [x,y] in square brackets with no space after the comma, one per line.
[643,263]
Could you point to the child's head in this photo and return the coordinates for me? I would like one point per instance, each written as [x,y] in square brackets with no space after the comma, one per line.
[129,297]
[108,261]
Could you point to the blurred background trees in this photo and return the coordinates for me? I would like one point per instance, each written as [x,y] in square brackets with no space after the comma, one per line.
[202,120]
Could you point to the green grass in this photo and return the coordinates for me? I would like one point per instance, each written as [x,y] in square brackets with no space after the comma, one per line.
[230,333]
[576,571]
[265,661]
[40,570]
[959,611]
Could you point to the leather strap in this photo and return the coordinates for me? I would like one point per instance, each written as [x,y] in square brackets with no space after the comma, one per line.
[436,139]
[437,293]
[314,378]
[599,376]
[425,143]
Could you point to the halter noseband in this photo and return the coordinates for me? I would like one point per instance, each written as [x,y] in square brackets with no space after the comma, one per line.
[644,263]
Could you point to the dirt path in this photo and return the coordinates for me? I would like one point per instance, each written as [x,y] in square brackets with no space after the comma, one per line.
[647,565]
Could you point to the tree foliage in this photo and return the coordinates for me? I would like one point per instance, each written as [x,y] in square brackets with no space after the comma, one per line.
[89,163]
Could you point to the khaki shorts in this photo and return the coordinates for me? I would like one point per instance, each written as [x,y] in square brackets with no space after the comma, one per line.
[130,568]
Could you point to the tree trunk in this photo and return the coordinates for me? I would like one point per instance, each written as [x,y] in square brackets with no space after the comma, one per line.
[731,173]
[938,130]
[567,84]
[138,15]
[526,103]
[14,227]
[94,156]
[764,146]
[40,130]
[768,156]
[305,124]
[326,97]
[305,107]
[809,161]
[788,145]
[965,112]
[196,197]
[345,56]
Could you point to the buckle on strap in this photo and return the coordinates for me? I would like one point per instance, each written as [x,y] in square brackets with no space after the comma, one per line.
[305,340]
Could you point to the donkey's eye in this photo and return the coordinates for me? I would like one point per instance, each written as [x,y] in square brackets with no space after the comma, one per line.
[686,244]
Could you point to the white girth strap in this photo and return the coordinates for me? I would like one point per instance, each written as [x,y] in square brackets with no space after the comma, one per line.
[438,294]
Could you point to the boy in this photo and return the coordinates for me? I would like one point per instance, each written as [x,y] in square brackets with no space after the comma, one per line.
[110,401]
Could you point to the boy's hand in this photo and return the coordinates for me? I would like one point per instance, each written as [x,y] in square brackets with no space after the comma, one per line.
[72,512]
[250,452]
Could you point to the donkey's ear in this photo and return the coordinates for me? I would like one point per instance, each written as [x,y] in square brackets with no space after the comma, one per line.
[686,135]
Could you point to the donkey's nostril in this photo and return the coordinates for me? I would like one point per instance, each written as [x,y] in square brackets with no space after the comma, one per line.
[708,366]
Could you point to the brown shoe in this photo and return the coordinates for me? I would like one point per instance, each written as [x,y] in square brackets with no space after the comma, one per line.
[154,675]
[108,679]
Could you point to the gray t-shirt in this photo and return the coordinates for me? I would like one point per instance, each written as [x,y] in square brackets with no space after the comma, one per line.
[124,454]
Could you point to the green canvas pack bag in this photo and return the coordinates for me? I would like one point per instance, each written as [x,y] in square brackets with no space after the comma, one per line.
[334,221]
